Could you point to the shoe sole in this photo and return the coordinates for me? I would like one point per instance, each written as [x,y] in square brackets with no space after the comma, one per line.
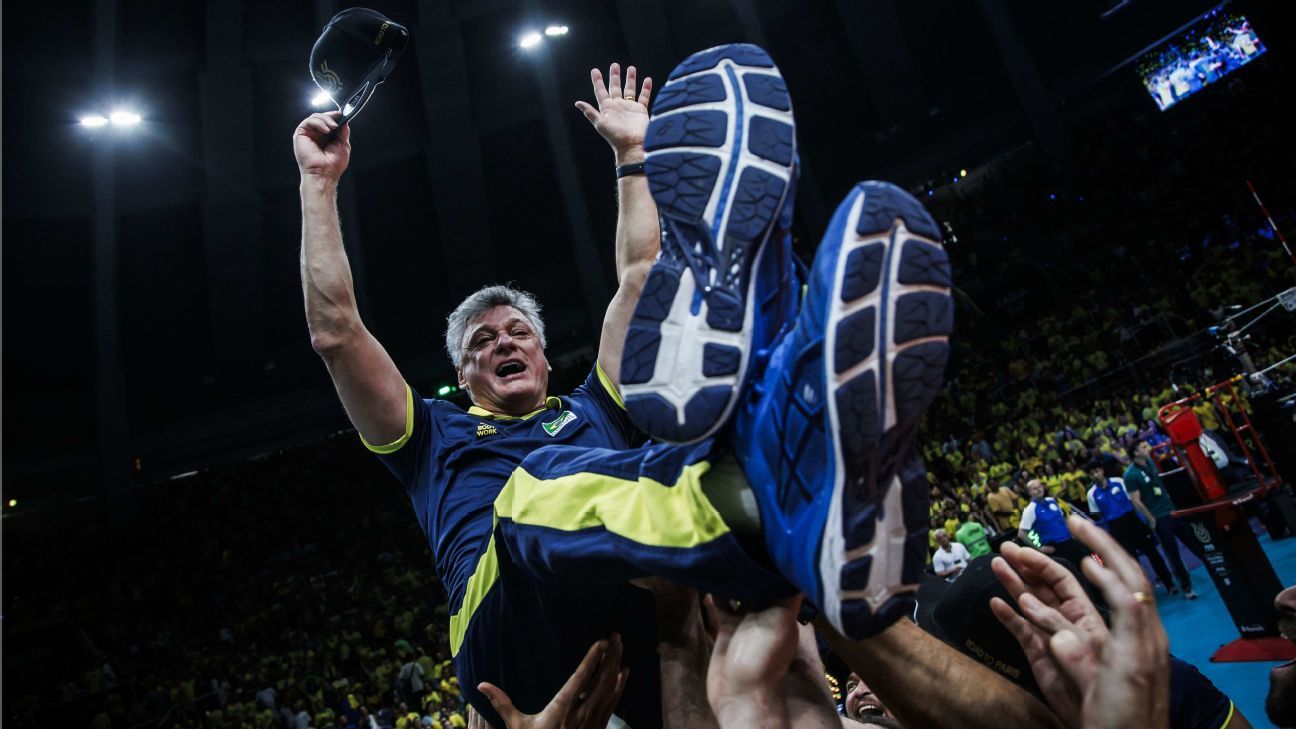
[885,345]
[720,149]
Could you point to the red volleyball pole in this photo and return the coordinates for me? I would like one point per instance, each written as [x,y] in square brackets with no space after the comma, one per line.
[1272,224]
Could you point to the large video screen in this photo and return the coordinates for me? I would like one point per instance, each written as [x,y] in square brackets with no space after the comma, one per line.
[1216,45]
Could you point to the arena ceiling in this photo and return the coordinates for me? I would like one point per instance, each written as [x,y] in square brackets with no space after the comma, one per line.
[470,166]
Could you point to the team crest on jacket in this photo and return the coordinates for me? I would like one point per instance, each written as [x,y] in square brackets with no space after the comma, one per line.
[554,426]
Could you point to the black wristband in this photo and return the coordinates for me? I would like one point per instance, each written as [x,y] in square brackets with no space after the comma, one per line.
[633,168]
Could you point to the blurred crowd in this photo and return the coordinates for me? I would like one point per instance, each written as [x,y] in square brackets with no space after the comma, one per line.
[1090,293]
[289,591]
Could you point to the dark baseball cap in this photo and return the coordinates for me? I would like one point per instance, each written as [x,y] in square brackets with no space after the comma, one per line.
[357,51]
[959,613]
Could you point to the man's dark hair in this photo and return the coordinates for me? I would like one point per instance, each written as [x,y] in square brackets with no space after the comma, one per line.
[1132,448]
[1093,464]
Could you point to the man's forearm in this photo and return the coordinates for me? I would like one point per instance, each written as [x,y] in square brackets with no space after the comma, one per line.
[325,271]
[637,238]
[683,682]
[637,243]
[757,710]
[806,693]
[927,683]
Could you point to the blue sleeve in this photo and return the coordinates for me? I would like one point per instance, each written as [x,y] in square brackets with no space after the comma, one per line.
[598,391]
[1195,702]
[405,456]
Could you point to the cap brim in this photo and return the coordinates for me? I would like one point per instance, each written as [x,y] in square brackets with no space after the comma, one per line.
[930,591]
[353,104]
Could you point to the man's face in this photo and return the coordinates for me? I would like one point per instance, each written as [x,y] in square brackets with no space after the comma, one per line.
[1142,451]
[1280,705]
[861,703]
[1035,489]
[1097,475]
[504,368]
[942,539]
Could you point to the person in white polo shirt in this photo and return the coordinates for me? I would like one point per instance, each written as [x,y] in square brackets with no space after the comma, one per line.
[950,558]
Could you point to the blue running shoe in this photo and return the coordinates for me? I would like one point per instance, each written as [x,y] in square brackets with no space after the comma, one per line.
[721,151]
[826,436]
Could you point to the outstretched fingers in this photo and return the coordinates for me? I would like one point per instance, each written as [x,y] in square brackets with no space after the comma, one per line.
[628,91]
[1113,554]
[1019,627]
[645,91]
[1044,576]
[600,88]
[590,112]
[614,87]
[1046,617]
[1006,572]
[614,81]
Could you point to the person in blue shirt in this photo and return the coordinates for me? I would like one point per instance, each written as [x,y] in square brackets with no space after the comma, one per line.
[1046,518]
[509,626]
[539,510]
[1128,521]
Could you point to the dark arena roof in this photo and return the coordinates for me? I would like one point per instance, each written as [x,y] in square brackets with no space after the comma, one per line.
[165,416]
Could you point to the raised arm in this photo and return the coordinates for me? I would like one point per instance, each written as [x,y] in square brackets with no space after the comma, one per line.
[621,118]
[371,388]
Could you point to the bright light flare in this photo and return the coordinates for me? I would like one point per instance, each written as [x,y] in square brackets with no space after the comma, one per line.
[530,40]
[124,118]
[94,121]
[555,30]
[321,100]
[13,503]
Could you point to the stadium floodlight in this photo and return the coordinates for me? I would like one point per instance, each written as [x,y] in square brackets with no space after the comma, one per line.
[321,100]
[555,30]
[124,118]
[13,503]
[962,173]
[94,120]
[530,40]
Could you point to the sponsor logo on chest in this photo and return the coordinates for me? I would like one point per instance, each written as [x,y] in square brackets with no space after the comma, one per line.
[553,427]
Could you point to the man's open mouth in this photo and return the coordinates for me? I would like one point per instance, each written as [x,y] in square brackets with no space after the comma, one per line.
[865,709]
[512,367]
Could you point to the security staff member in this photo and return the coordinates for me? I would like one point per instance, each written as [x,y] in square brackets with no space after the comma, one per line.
[1046,517]
[1111,506]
